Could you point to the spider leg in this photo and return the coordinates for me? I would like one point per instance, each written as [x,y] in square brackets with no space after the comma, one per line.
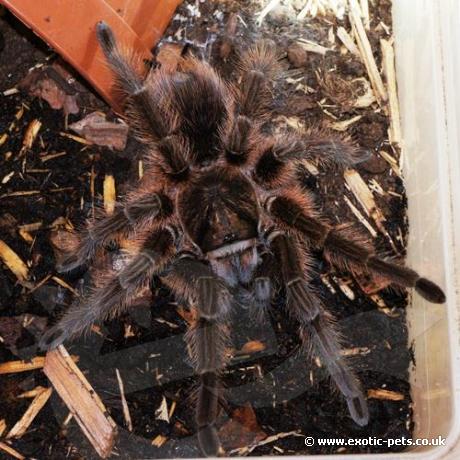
[275,164]
[344,249]
[140,209]
[116,291]
[258,65]
[145,101]
[196,282]
[306,308]
[331,147]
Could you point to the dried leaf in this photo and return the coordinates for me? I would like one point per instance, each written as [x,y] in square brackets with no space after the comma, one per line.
[242,429]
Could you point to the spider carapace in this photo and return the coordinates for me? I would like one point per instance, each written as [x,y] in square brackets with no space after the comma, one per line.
[221,217]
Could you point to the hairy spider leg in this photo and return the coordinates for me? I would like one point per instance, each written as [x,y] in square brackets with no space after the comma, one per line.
[342,250]
[195,281]
[116,292]
[304,306]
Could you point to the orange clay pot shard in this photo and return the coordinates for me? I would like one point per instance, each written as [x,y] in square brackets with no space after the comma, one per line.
[69,26]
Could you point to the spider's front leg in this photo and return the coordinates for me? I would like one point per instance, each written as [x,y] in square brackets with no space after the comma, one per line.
[141,210]
[116,291]
[194,281]
[316,325]
[344,249]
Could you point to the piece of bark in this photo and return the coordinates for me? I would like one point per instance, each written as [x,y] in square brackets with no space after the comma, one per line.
[51,83]
[96,129]
[81,399]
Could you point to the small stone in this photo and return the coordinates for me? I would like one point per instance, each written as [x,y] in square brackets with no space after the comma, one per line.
[297,55]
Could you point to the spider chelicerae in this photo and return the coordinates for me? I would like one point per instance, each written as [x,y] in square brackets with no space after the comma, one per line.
[221,217]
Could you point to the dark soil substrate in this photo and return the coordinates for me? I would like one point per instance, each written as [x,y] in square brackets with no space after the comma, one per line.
[276,382]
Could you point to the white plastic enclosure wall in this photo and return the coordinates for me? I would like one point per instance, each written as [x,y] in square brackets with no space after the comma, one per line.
[427,45]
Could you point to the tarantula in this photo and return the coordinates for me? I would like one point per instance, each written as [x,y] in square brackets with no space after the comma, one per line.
[220,215]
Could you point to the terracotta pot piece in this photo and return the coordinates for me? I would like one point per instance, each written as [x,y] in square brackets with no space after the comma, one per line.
[69,27]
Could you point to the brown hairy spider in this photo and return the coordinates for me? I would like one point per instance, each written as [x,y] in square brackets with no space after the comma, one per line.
[220,215]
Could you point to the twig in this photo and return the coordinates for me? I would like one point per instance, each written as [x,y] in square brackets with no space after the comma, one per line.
[388,59]
[9,450]
[366,52]
[272,4]
[380,393]
[126,414]
[110,195]
[32,411]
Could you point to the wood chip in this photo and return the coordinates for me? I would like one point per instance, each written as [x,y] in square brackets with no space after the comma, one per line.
[312,47]
[31,134]
[360,217]
[365,13]
[355,351]
[159,440]
[110,195]
[32,411]
[32,393]
[65,285]
[2,426]
[75,138]
[81,399]
[268,440]
[9,450]
[162,412]
[392,162]
[345,124]
[380,393]
[366,52]
[13,262]
[388,60]
[126,414]
[364,196]
[271,5]
[348,41]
